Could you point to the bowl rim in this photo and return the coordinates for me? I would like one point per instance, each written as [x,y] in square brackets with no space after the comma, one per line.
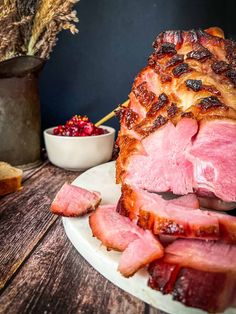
[47,132]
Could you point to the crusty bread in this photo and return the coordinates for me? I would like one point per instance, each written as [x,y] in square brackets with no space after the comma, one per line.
[10,178]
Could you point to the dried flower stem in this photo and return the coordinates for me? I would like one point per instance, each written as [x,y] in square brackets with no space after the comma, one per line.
[52,16]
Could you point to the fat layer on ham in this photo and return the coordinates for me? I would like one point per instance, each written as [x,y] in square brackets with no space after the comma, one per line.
[74,201]
[117,232]
[179,217]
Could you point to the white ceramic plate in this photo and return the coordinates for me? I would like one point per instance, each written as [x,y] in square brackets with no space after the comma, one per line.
[102,179]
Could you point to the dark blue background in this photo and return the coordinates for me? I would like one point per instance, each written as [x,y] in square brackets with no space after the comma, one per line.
[92,72]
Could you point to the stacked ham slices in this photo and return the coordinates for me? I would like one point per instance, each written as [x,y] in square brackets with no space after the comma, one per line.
[178,134]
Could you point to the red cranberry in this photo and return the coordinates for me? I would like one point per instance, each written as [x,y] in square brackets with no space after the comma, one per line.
[88,129]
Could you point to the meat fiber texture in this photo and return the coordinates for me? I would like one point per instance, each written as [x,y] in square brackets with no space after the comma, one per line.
[74,201]
[119,233]
[178,132]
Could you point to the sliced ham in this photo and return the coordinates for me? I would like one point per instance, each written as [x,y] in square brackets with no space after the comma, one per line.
[202,255]
[117,232]
[113,230]
[139,253]
[179,217]
[195,273]
[74,201]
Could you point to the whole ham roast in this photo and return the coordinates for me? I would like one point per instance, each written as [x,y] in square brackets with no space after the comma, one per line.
[178,132]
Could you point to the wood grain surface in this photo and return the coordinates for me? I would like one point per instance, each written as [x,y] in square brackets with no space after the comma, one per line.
[25,217]
[40,270]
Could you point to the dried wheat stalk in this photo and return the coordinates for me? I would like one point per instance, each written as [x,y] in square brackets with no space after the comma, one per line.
[52,16]
[11,43]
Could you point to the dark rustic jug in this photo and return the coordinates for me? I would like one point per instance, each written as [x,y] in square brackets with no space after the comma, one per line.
[20,119]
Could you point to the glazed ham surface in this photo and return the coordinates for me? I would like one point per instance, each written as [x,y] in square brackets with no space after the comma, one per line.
[180,217]
[74,201]
[196,274]
[117,232]
[178,132]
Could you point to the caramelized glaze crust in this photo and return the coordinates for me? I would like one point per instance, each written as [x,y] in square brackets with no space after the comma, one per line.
[189,74]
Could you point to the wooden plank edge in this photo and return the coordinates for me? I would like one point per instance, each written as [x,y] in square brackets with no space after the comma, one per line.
[16,267]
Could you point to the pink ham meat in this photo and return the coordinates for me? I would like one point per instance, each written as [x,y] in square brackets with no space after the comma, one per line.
[74,201]
[179,217]
[183,165]
[196,274]
[119,233]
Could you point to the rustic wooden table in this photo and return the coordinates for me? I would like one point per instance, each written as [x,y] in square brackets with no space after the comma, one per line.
[40,270]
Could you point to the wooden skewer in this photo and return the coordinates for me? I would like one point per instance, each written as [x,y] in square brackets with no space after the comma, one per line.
[111,114]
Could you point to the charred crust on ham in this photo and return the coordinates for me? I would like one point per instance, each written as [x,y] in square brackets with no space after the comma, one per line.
[211,102]
[164,49]
[176,59]
[195,85]
[165,77]
[171,228]
[231,74]
[128,116]
[230,48]
[145,131]
[172,110]
[144,96]
[228,70]
[187,114]
[161,102]
[160,120]
[181,69]
[220,67]
[201,54]
[145,220]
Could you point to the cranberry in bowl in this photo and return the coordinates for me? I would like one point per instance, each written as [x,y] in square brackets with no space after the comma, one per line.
[79,144]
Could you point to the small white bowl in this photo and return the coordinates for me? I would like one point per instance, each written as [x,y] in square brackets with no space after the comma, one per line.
[81,152]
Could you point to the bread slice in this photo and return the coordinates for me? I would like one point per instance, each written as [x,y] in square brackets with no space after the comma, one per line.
[10,178]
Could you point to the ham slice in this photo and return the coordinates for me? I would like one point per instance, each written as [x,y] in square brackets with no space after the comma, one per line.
[139,253]
[119,233]
[179,217]
[202,255]
[74,201]
[196,274]
[113,230]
